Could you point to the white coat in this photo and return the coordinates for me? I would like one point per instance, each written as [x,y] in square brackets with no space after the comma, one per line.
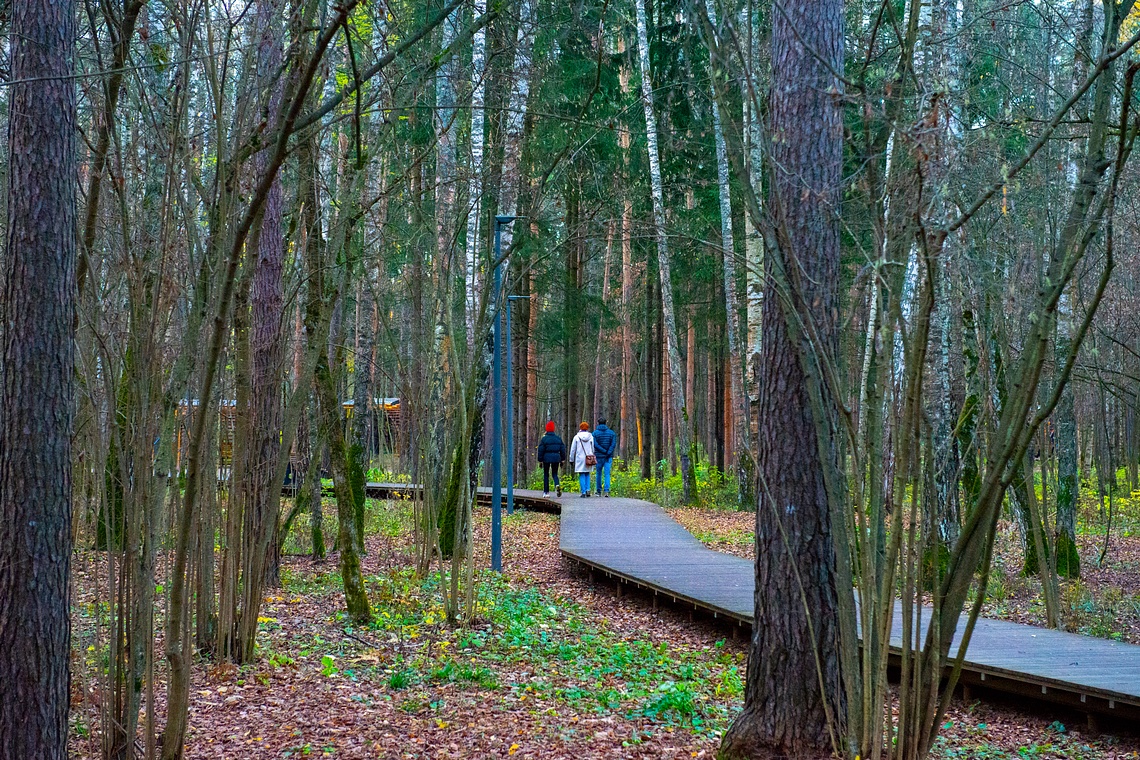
[582,446]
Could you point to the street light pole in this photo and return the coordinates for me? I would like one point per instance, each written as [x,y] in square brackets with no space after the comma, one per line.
[497,406]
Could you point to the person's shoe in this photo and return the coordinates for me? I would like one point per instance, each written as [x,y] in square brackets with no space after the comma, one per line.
[545,495]
[606,494]
[559,492]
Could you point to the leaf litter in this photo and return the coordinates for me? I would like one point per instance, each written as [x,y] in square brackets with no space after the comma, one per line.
[553,667]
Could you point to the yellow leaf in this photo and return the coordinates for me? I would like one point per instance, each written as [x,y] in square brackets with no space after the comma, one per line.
[514,748]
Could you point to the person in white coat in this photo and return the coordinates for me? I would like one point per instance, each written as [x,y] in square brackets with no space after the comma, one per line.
[582,456]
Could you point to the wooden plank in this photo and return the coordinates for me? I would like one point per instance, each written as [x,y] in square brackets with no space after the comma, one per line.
[637,541]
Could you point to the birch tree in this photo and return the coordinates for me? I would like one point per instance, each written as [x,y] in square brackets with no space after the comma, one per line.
[475,172]
[741,424]
[683,438]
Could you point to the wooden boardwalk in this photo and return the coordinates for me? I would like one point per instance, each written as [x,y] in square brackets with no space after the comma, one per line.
[637,543]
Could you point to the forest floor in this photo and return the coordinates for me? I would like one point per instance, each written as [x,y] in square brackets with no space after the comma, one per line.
[552,667]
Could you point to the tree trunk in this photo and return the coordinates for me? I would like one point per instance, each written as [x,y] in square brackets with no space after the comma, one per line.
[794,702]
[738,410]
[475,175]
[650,380]
[571,305]
[1068,484]
[36,383]
[445,135]
[267,298]
[332,429]
[124,32]
[600,370]
[683,433]
[754,241]
[628,408]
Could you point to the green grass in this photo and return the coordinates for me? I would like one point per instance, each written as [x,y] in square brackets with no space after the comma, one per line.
[389,518]
[714,488]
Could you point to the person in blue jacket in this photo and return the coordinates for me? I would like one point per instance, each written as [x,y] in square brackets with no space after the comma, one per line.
[551,453]
[605,445]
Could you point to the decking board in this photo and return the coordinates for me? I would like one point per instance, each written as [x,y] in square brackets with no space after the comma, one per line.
[637,541]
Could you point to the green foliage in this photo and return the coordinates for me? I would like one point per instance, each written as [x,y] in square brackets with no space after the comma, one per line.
[280,660]
[385,475]
[530,645]
[400,679]
[714,488]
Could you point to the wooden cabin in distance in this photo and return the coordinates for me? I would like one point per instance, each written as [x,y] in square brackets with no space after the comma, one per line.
[384,426]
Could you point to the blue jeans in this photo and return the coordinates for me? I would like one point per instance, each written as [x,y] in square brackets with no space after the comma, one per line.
[603,478]
[584,482]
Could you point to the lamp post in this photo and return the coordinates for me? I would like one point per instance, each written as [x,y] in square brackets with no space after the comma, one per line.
[497,406]
[511,411]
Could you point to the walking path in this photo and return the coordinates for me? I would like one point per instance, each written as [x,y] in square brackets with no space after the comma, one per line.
[637,543]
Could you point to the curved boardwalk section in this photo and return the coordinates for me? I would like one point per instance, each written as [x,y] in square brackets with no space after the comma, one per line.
[638,543]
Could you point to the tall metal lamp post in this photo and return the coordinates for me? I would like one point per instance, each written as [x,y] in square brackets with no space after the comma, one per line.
[497,406]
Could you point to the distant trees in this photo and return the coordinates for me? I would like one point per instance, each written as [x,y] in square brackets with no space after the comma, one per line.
[37,371]
[290,206]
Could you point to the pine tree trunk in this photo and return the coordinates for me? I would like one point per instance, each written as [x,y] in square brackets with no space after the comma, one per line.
[794,702]
[36,382]
[682,433]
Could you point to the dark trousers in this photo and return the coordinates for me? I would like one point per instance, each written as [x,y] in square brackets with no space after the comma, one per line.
[549,469]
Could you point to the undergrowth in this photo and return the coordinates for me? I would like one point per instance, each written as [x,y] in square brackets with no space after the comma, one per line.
[715,490]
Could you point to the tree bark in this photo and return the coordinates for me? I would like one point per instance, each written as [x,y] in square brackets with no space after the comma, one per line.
[267,298]
[794,704]
[36,382]
[321,298]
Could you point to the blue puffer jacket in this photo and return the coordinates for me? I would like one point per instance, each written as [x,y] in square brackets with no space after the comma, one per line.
[551,449]
[605,443]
